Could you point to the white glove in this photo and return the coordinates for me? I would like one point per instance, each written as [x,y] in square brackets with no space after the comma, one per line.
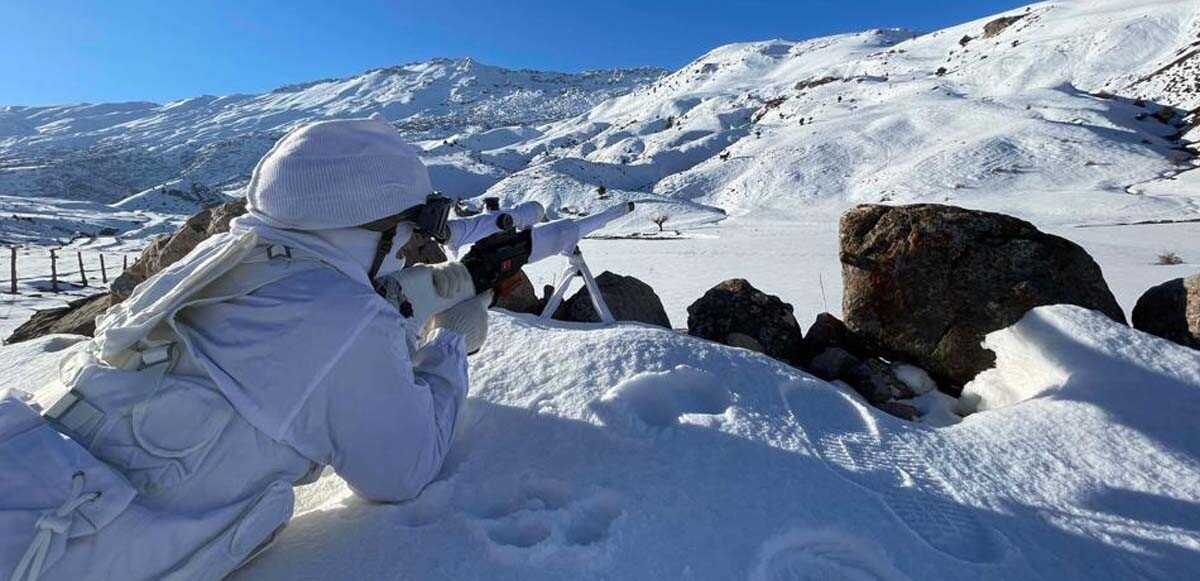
[431,288]
[450,279]
[468,318]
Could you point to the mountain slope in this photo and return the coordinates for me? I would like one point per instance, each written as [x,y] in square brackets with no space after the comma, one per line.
[106,152]
[1051,112]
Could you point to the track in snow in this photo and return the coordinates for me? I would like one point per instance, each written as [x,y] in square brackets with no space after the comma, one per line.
[823,556]
[851,444]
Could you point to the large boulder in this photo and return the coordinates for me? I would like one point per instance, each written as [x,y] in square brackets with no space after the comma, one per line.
[924,283]
[735,313]
[628,298]
[1171,310]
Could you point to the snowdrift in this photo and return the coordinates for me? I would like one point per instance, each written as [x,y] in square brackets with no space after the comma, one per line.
[630,452]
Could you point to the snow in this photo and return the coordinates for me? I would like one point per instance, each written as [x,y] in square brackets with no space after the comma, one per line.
[866,118]
[661,456]
[632,452]
[1052,349]
[914,377]
[106,152]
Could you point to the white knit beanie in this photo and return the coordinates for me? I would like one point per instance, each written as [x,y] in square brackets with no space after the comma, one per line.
[337,174]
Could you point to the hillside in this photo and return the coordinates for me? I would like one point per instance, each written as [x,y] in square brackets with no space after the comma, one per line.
[105,152]
[1052,112]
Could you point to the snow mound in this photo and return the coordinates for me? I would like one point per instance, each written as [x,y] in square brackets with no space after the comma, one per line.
[1063,347]
[632,452]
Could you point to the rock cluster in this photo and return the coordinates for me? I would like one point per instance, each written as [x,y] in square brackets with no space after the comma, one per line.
[925,283]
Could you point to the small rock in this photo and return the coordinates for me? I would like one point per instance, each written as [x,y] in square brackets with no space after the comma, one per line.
[833,363]
[1171,310]
[828,331]
[735,306]
[744,341]
[900,410]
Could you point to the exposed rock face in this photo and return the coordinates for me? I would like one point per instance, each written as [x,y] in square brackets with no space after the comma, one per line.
[1171,310]
[77,318]
[735,311]
[165,250]
[1000,24]
[628,298]
[925,283]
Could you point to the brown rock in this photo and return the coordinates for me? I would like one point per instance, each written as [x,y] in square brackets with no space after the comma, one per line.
[77,318]
[1000,24]
[165,250]
[520,298]
[1171,310]
[925,283]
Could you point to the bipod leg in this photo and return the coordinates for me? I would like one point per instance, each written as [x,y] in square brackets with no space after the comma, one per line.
[593,289]
[560,289]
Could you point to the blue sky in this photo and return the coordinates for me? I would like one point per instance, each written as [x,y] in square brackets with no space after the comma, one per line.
[57,51]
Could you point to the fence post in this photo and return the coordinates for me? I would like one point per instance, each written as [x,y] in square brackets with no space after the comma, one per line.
[13,268]
[54,269]
[82,275]
[103,270]
[124,262]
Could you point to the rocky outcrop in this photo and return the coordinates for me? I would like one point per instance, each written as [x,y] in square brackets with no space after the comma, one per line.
[77,318]
[165,250]
[1171,310]
[925,283]
[736,313]
[628,298]
[999,25]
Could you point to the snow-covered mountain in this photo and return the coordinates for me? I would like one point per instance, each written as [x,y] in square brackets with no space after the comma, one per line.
[1070,111]
[105,152]
[1060,111]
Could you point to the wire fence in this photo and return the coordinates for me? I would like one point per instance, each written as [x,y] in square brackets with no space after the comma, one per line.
[83,271]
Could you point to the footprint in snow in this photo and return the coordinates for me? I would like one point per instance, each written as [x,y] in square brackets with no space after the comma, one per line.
[657,400]
[822,556]
[848,439]
[542,518]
